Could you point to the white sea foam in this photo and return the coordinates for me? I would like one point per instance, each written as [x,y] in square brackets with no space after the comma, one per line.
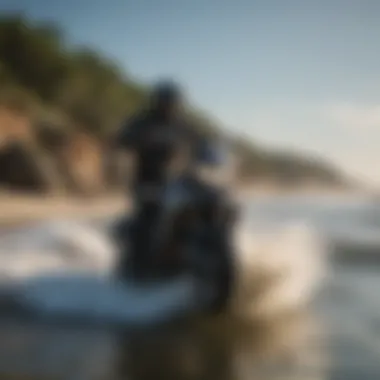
[279,267]
[284,261]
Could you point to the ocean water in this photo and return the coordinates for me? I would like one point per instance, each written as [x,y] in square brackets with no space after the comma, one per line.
[335,337]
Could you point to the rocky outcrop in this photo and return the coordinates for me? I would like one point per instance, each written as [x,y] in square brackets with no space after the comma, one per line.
[82,165]
[22,166]
[44,159]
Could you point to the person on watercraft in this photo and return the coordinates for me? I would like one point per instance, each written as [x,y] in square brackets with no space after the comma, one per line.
[153,135]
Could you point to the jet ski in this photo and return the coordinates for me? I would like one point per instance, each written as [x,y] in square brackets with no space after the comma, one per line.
[190,240]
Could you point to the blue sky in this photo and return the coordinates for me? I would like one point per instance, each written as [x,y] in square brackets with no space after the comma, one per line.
[301,74]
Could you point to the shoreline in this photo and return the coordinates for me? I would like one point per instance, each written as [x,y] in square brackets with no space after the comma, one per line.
[317,192]
[17,209]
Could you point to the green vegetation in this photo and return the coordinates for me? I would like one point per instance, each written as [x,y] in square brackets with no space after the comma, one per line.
[69,90]
[79,84]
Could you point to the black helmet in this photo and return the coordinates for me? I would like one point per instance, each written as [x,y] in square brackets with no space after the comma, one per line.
[166,92]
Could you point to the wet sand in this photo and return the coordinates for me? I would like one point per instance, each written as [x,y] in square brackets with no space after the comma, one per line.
[17,210]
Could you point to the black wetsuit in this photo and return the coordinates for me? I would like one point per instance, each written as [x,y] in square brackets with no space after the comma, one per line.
[153,140]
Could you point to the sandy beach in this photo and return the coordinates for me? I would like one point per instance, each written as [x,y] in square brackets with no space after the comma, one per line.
[25,209]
